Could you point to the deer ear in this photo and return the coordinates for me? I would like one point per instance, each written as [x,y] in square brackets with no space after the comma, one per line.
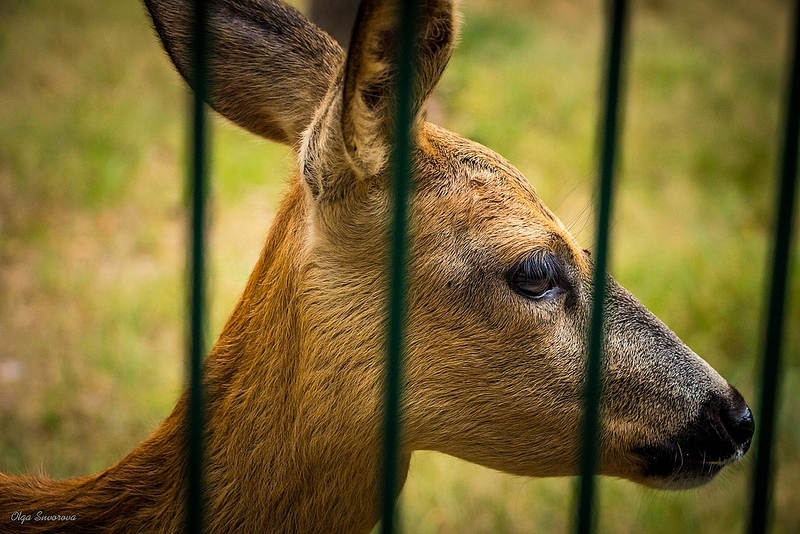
[370,76]
[269,66]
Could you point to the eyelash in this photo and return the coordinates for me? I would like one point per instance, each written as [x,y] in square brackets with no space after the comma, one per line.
[539,277]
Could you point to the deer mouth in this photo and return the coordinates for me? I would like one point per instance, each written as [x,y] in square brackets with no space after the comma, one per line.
[719,437]
[676,466]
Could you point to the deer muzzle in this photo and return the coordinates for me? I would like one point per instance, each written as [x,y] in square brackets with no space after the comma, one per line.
[719,436]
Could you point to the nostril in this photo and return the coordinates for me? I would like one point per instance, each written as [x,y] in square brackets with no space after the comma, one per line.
[736,419]
[741,427]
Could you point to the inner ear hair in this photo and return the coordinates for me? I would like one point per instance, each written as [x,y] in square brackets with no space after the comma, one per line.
[369,91]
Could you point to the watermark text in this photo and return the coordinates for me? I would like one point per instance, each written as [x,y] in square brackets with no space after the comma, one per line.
[40,516]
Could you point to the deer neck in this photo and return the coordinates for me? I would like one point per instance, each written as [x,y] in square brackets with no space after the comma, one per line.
[293,441]
[292,437]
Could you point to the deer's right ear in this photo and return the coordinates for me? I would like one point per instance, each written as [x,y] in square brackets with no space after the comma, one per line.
[269,66]
[367,98]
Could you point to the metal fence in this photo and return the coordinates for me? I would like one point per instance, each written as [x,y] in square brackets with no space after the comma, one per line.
[608,132]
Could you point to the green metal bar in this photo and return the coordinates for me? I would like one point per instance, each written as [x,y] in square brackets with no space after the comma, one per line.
[401,161]
[593,386]
[197,285]
[762,473]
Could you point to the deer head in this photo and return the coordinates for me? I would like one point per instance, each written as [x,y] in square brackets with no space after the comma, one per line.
[499,291]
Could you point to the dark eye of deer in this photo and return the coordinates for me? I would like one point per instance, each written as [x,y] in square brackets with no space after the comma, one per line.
[536,278]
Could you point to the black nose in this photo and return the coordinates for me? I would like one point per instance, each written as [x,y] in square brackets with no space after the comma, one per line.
[726,426]
[719,435]
[737,420]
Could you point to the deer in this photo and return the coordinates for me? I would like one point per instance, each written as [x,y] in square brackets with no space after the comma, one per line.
[498,302]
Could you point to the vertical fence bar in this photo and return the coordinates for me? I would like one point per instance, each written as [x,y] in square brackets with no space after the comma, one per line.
[401,160]
[762,473]
[593,387]
[197,290]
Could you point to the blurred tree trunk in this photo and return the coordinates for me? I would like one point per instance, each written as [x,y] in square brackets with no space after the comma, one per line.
[335,17]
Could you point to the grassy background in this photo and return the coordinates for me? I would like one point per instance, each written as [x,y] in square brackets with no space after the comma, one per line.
[92,225]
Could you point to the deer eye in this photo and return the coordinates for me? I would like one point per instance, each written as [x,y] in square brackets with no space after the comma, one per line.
[537,277]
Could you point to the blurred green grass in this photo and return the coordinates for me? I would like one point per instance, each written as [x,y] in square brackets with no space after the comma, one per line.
[92,130]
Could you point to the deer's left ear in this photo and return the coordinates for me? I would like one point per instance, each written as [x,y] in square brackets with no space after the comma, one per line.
[370,76]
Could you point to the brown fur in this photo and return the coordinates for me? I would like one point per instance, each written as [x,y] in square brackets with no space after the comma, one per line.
[295,380]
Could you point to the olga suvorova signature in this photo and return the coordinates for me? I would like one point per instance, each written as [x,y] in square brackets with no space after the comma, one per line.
[20,517]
